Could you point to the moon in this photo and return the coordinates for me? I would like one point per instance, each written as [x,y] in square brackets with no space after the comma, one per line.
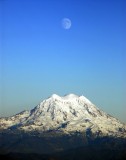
[66,23]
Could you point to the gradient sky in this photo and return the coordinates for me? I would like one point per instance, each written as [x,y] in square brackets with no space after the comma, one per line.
[38,57]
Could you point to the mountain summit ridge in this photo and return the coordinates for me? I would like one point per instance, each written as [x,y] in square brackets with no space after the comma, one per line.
[71,113]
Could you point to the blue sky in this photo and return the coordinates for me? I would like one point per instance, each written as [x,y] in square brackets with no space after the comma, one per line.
[39,57]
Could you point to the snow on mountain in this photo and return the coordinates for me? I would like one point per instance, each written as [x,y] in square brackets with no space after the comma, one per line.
[66,114]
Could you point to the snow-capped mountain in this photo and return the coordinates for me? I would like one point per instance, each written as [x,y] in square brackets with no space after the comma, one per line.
[67,114]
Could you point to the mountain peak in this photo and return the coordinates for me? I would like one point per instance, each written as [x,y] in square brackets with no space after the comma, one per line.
[70,97]
[55,96]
